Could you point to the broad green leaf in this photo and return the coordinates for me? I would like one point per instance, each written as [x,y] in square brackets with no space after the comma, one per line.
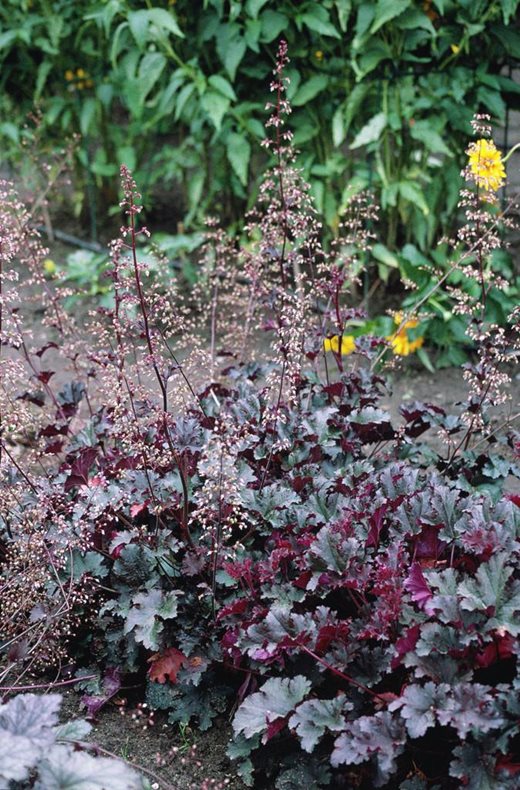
[105,15]
[10,130]
[318,21]
[371,131]
[7,38]
[424,358]
[138,22]
[252,33]
[310,89]
[182,98]
[216,105]
[432,140]
[365,15]
[387,10]
[272,25]
[383,254]
[492,101]
[354,100]
[87,115]
[414,19]
[235,51]
[239,153]
[253,7]
[338,126]
[195,187]
[508,9]
[165,20]
[223,86]
[509,38]
[370,57]
[343,8]
[126,155]
[150,69]
[44,69]
[414,194]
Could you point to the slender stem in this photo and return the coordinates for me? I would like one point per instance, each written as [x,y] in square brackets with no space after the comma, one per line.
[52,685]
[144,311]
[340,674]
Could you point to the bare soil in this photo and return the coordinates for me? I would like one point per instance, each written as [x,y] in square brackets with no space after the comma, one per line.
[176,759]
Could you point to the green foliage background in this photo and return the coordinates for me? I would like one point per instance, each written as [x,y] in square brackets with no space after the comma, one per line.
[382,92]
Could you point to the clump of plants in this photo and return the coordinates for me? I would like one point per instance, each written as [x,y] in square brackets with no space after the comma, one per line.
[240,527]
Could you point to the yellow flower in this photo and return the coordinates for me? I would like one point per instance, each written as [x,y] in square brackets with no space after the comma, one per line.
[318,54]
[81,74]
[486,166]
[455,48]
[49,267]
[399,341]
[69,75]
[348,344]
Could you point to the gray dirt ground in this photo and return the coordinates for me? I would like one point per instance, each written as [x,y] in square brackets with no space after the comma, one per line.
[200,762]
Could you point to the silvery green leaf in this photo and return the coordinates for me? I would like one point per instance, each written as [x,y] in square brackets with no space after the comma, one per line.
[378,736]
[148,609]
[419,706]
[17,755]
[371,131]
[471,708]
[65,769]
[314,717]
[276,699]
[31,715]
[75,730]
[491,592]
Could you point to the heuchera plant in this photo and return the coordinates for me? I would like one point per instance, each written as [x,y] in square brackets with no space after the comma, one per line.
[265,539]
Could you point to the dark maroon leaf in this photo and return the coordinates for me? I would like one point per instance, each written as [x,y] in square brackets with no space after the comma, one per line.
[45,376]
[35,396]
[376,525]
[416,585]
[41,351]
[80,468]
[111,685]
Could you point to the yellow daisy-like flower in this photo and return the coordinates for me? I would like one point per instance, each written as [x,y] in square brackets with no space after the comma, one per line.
[318,54]
[81,73]
[486,166]
[401,345]
[348,344]
[69,75]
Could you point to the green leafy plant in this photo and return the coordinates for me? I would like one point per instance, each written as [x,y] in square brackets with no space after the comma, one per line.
[174,94]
